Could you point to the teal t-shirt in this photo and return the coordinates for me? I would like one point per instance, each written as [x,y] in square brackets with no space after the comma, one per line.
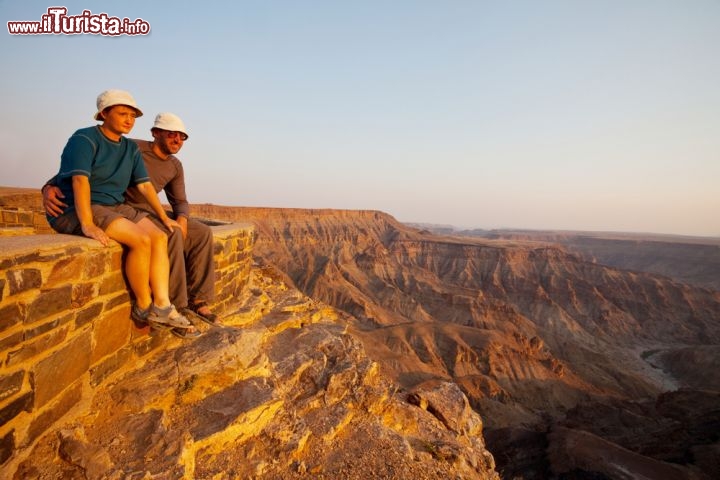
[111,167]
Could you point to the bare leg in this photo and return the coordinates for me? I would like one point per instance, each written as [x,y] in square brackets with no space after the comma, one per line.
[160,280]
[159,263]
[137,262]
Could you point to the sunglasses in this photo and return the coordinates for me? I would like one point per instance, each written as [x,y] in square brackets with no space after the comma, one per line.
[182,136]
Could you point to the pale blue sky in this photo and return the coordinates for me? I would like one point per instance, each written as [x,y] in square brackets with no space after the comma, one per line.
[574,114]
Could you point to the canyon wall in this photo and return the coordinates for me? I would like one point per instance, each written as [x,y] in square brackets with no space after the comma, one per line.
[280,390]
[530,331]
[358,347]
[691,260]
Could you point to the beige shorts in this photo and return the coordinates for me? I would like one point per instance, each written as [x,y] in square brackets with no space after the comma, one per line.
[103,216]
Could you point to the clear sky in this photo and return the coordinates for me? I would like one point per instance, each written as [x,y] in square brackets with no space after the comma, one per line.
[542,114]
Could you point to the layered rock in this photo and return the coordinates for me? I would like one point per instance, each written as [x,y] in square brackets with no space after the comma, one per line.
[691,260]
[563,357]
[528,330]
[281,391]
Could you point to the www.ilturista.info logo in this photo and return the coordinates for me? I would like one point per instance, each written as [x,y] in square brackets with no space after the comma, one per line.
[58,22]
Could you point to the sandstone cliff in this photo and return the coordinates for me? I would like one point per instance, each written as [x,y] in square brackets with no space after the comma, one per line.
[361,348]
[528,330]
[691,260]
[282,390]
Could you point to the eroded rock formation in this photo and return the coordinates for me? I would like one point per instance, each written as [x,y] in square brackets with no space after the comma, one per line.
[528,330]
[282,391]
[366,349]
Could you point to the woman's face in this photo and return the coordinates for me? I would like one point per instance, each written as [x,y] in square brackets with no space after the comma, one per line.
[119,119]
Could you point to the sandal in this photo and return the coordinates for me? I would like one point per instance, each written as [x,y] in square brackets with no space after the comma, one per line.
[186,333]
[139,315]
[167,317]
[202,311]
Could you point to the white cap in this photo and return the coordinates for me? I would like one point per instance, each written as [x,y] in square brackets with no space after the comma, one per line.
[170,122]
[110,98]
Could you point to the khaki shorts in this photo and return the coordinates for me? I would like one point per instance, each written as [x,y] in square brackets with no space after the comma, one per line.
[103,216]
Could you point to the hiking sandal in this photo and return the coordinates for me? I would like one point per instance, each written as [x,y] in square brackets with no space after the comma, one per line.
[186,333]
[167,317]
[208,316]
[139,315]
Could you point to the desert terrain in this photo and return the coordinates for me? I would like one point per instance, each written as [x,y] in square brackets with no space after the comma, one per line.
[579,366]
[565,356]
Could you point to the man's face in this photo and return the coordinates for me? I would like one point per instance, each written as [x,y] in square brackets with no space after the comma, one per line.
[119,119]
[168,142]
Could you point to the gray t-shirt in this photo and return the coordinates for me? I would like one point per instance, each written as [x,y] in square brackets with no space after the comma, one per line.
[165,175]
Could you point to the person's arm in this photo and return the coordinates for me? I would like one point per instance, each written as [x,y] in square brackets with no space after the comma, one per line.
[148,191]
[81,190]
[175,193]
[52,196]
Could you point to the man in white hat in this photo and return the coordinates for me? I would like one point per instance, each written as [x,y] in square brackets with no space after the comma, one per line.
[190,247]
[192,271]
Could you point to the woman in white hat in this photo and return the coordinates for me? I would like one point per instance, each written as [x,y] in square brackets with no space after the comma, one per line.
[97,166]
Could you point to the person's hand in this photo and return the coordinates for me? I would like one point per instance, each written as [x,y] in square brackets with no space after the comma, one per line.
[52,202]
[183,222]
[170,224]
[93,231]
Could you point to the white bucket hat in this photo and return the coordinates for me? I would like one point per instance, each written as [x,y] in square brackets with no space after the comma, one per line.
[110,98]
[170,122]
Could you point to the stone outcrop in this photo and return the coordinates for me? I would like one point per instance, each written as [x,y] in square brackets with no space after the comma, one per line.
[361,348]
[282,390]
[65,328]
[528,330]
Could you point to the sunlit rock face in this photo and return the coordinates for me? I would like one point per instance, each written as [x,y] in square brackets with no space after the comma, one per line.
[528,330]
[281,391]
[361,348]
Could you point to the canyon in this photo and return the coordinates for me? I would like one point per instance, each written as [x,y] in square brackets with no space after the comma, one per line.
[362,347]
[555,350]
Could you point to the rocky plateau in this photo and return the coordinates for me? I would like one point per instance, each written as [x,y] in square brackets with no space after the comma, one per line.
[364,348]
[579,369]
